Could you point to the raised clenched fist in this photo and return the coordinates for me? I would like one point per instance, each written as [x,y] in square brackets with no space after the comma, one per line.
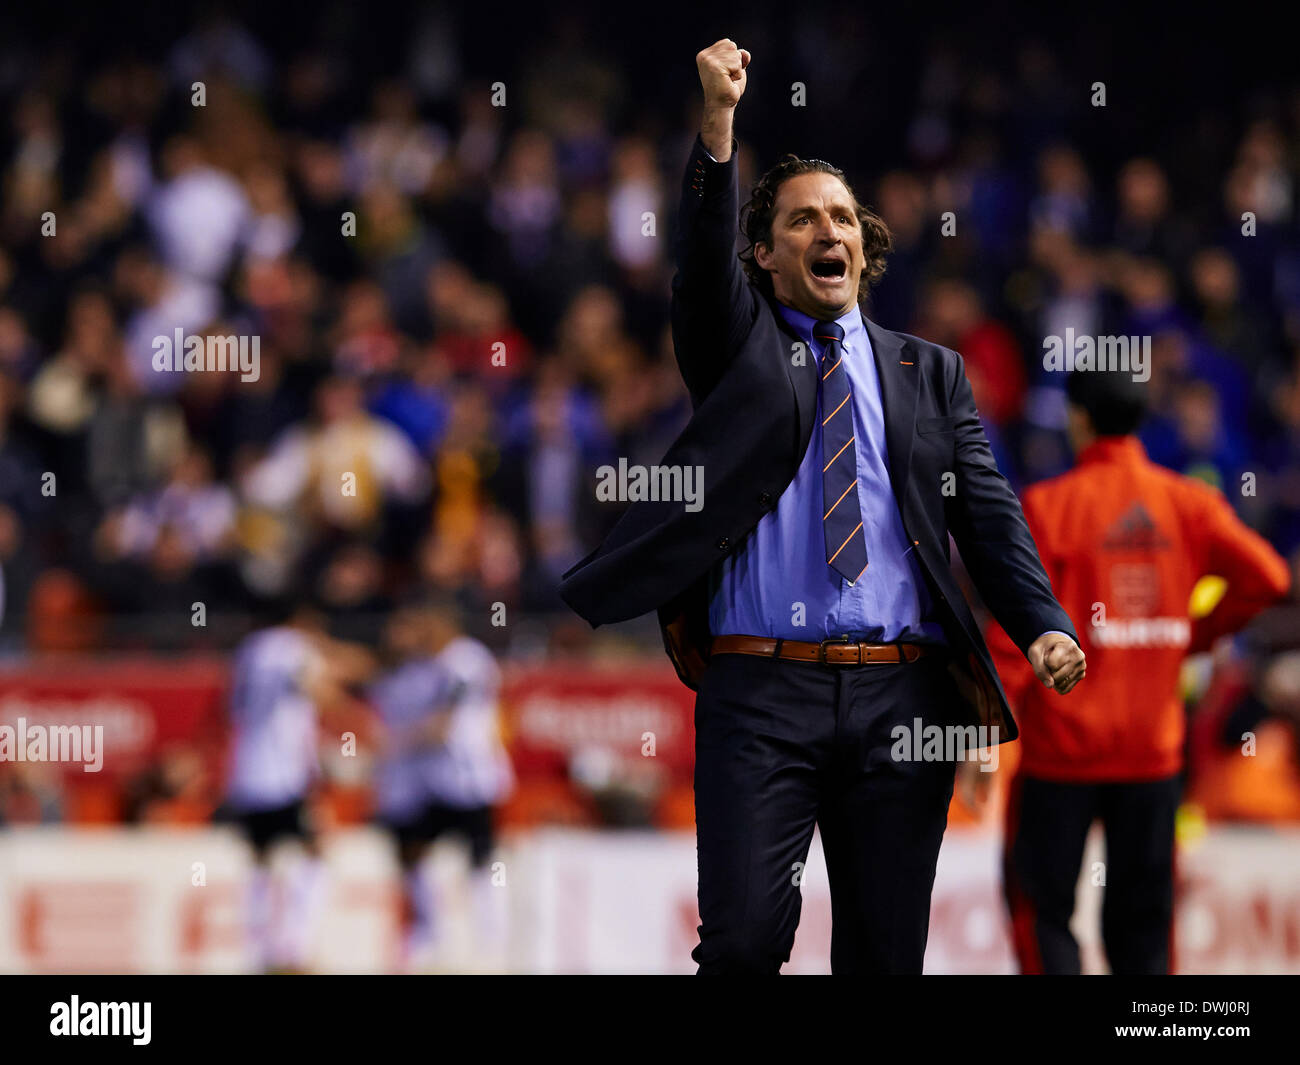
[722,73]
[1057,660]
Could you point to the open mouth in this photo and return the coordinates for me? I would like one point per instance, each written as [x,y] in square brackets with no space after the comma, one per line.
[829,269]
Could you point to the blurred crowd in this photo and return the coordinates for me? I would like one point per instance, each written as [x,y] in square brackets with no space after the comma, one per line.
[457,314]
[457,266]
[464,306]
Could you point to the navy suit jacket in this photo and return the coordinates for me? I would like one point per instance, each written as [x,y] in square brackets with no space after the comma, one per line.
[753,389]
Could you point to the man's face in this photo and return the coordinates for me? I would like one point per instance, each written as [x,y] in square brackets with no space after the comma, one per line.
[402,634]
[815,257]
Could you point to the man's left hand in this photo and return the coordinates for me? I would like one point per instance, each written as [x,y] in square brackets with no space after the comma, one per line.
[1057,660]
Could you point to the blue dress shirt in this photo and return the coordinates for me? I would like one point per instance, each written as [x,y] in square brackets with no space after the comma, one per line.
[777,582]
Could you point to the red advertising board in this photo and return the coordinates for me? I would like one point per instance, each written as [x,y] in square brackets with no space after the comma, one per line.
[143,704]
[554,711]
[147,705]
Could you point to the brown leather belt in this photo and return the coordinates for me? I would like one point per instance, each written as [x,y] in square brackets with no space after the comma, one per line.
[838,651]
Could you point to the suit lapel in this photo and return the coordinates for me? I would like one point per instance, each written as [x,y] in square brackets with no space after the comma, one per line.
[803,381]
[898,394]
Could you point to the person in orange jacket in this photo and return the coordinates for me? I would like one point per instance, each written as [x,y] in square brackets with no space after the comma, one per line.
[1124,541]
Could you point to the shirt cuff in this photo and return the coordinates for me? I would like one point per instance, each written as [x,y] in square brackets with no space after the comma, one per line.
[1057,631]
[735,147]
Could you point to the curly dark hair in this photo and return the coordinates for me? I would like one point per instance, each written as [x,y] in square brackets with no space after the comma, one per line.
[757,215]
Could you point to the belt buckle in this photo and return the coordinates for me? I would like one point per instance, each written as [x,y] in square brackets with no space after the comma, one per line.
[821,647]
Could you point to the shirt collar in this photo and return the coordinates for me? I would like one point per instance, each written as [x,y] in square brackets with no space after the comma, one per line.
[1113,449]
[803,325]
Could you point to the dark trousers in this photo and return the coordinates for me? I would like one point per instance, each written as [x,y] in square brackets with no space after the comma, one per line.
[1047,826]
[781,747]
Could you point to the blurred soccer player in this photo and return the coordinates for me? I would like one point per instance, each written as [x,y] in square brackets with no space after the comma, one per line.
[445,767]
[283,677]
[1124,542]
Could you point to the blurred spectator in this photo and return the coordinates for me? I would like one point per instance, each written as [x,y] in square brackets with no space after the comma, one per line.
[198,510]
[29,794]
[952,315]
[342,466]
[1145,224]
[200,215]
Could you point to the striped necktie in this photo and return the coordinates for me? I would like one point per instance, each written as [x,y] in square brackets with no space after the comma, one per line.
[846,543]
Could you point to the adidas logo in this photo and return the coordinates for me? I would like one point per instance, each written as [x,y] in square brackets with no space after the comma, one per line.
[1134,531]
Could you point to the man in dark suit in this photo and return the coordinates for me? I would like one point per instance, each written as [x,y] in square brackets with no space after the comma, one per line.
[809,600]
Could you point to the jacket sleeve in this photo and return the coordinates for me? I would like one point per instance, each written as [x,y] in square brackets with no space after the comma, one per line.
[1013,667]
[713,303]
[1256,575]
[987,522]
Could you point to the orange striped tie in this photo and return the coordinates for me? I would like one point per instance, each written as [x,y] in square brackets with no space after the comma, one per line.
[846,543]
